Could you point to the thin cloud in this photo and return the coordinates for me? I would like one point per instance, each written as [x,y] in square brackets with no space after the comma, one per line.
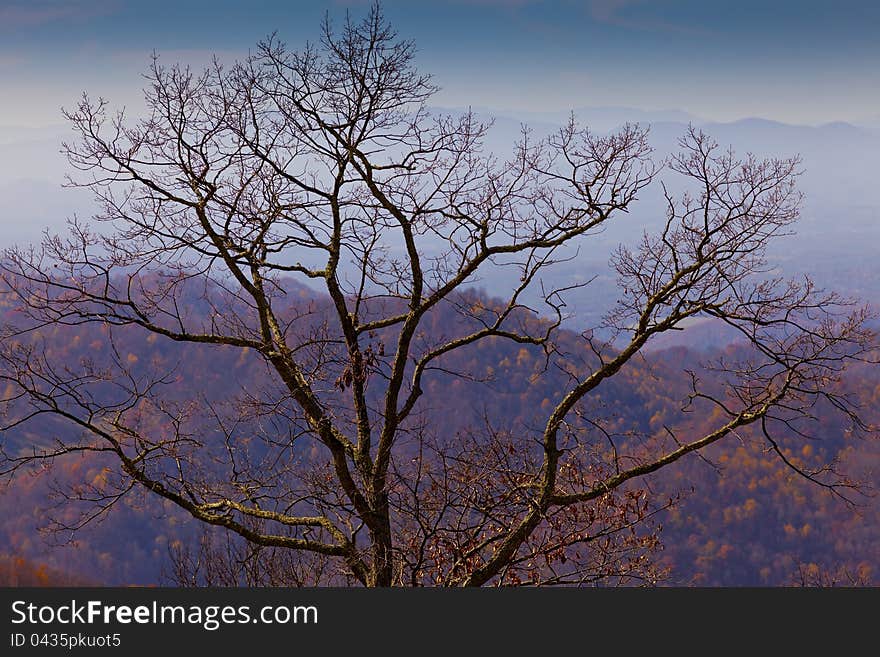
[608,11]
[35,14]
[505,4]
[499,3]
[615,12]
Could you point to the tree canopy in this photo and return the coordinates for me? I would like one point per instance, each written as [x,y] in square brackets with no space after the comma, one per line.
[326,165]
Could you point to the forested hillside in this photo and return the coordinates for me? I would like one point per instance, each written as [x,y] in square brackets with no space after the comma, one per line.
[740,514]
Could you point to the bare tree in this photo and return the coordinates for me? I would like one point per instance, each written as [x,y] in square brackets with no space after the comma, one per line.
[327,165]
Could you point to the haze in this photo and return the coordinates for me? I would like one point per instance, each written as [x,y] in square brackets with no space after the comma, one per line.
[785,78]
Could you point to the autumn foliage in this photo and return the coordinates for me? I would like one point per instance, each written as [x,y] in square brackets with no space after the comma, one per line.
[739,516]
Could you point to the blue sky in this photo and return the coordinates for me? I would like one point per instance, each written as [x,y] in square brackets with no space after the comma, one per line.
[797,61]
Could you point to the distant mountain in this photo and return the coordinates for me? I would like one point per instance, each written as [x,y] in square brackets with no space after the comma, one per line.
[836,242]
[32,174]
[840,160]
[702,335]
[604,119]
[871,123]
[837,236]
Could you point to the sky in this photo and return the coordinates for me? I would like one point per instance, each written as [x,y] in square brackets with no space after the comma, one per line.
[804,61]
